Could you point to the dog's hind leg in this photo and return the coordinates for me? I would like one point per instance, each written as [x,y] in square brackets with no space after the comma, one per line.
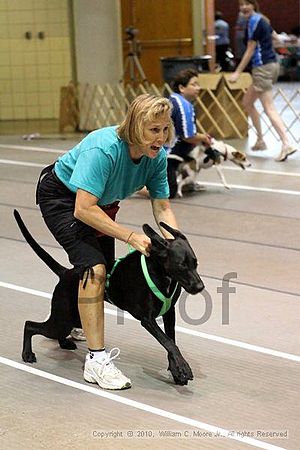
[178,366]
[30,329]
[48,329]
[42,328]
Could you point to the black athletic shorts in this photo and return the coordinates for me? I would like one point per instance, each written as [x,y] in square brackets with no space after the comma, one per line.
[84,248]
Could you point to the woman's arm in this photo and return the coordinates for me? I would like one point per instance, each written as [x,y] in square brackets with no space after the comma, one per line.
[244,62]
[87,210]
[163,213]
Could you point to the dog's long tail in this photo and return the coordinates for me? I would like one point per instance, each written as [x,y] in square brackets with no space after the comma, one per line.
[57,268]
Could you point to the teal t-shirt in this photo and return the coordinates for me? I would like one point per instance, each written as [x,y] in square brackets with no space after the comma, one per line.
[101,165]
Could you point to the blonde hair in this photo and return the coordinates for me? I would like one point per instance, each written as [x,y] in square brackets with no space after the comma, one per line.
[144,109]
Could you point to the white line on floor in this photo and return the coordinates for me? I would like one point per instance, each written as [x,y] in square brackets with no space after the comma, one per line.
[59,151]
[21,163]
[205,183]
[252,188]
[218,432]
[51,150]
[32,149]
[211,337]
[266,172]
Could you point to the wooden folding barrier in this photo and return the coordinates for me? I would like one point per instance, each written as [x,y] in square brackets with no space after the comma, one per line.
[69,108]
[219,109]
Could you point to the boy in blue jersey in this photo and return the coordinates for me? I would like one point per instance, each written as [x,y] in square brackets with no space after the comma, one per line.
[265,71]
[78,197]
[186,89]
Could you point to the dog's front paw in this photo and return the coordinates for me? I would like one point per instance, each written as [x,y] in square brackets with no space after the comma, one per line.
[28,357]
[180,370]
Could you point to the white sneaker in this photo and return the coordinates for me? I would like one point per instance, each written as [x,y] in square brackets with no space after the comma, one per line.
[77,334]
[286,151]
[104,372]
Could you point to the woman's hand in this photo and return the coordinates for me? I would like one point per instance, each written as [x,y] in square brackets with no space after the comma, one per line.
[140,242]
[234,77]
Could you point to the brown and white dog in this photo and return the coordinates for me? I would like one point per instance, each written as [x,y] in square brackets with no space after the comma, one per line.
[204,158]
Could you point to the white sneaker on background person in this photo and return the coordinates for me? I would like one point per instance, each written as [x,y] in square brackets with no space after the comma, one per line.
[77,334]
[286,151]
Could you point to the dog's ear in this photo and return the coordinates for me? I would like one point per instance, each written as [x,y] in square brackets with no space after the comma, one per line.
[172,231]
[155,237]
[238,155]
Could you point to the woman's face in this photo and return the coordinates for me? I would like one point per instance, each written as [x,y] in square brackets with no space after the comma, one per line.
[156,133]
[246,8]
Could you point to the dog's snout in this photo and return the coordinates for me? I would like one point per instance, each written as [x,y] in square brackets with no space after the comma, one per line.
[198,287]
[195,287]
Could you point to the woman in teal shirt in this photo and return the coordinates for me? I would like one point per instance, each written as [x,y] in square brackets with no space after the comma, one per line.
[79,196]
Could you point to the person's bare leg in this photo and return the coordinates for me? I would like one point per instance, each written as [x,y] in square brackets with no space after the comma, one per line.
[91,307]
[98,367]
[277,122]
[248,102]
[266,99]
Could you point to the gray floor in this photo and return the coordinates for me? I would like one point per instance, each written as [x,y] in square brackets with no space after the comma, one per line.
[246,372]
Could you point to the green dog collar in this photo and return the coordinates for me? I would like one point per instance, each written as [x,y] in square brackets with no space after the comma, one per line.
[167,301]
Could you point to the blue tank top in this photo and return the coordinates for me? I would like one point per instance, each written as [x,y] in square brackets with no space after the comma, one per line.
[259,30]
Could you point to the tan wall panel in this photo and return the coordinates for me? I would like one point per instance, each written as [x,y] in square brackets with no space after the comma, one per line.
[28,65]
[158,22]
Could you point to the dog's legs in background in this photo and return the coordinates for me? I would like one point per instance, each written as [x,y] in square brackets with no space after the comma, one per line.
[178,366]
[189,178]
[222,177]
[173,163]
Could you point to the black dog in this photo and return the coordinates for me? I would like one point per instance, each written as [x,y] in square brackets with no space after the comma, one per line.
[171,265]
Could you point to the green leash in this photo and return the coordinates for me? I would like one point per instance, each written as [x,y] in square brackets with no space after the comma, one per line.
[167,301]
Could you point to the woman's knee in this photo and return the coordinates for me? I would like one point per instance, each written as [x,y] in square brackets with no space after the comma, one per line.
[94,276]
[99,273]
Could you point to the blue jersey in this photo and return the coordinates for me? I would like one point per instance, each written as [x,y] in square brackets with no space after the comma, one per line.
[101,165]
[183,116]
[259,30]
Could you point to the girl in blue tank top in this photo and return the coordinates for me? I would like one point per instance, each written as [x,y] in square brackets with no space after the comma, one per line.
[261,56]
